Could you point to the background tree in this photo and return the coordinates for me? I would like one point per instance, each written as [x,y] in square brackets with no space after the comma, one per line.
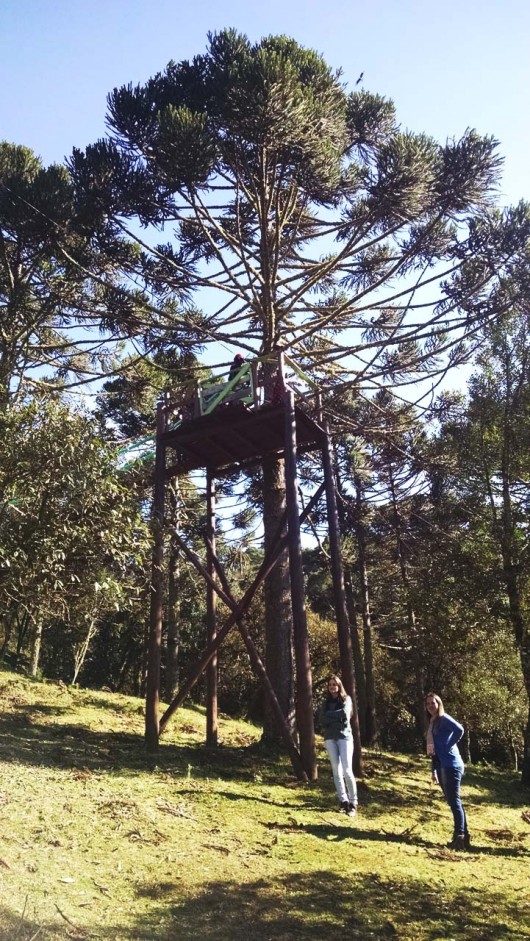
[59,288]
[125,408]
[491,438]
[70,534]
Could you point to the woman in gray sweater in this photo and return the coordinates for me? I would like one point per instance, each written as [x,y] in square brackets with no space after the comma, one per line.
[335,714]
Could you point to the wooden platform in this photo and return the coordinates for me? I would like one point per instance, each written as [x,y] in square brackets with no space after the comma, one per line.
[232,436]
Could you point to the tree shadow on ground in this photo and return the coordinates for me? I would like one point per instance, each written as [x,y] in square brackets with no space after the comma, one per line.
[244,798]
[410,838]
[23,927]
[496,787]
[504,786]
[104,700]
[25,739]
[307,906]
[493,785]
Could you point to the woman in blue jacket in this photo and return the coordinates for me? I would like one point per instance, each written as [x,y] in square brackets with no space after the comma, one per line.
[335,714]
[447,766]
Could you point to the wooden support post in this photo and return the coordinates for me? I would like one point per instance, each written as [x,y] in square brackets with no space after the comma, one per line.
[197,399]
[211,603]
[152,696]
[304,693]
[255,387]
[339,593]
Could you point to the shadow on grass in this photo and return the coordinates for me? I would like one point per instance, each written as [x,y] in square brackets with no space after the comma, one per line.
[409,838]
[306,906]
[251,798]
[314,905]
[498,787]
[25,739]
[105,701]
[23,927]
[494,785]
[12,926]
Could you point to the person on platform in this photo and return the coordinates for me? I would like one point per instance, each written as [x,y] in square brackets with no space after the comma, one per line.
[237,363]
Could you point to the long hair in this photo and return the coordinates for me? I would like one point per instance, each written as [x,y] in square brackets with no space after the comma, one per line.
[342,691]
[438,701]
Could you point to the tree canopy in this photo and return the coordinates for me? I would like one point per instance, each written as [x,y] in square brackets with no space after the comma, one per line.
[306,216]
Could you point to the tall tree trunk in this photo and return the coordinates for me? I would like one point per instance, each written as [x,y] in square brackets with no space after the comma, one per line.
[211,610]
[81,650]
[173,624]
[140,681]
[520,630]
[152,692]
[523,642]
[277,597]
[304,681]
[172,616]
[36,648]
[7,634]
[358,659]
[421,718]
[339,592]
[360,532]
[525,765]
[23,625]
[512,581]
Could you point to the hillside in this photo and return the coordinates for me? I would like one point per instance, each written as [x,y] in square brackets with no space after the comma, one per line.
[97,842]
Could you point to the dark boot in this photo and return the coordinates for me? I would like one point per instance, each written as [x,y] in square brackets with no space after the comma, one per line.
[458,842]
[467,841]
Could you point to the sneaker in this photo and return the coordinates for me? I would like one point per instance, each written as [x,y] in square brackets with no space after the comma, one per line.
[344,807]
[352,810]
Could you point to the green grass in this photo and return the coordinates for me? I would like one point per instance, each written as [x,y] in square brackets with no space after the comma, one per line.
[99,842]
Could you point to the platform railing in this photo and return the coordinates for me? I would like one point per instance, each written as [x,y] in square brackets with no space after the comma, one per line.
[240,388]
[259,381]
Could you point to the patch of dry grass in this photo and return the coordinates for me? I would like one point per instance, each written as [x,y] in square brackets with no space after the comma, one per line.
[98,842]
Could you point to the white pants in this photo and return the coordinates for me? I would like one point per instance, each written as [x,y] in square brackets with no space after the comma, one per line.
[340,753]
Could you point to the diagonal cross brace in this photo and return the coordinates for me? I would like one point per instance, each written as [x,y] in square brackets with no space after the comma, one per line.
[262,675]
[266,566]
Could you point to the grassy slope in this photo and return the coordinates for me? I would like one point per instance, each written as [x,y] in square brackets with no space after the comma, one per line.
[98,843]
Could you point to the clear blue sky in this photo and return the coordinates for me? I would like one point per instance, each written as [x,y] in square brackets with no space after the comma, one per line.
[448,65]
